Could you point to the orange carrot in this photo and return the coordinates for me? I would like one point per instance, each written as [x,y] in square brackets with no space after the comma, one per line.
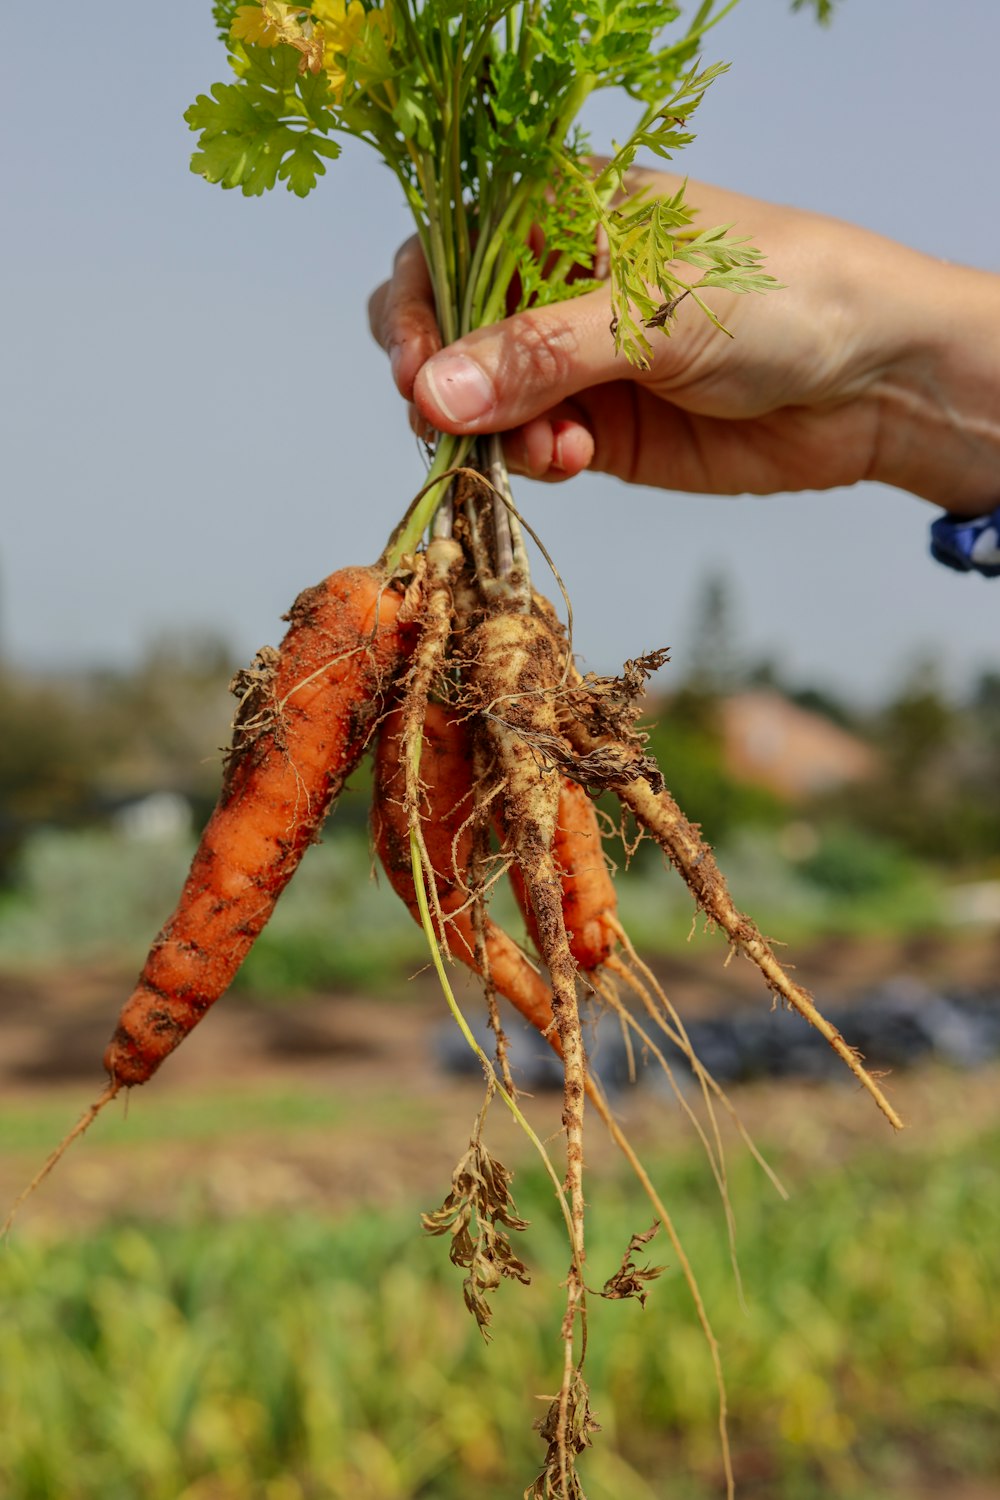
[306,715]
[588,893]
[447,828]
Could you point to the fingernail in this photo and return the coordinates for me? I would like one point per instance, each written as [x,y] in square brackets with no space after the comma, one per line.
[459,388]
[558,457]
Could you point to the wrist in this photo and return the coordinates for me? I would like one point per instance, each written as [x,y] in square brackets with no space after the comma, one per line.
[939,397]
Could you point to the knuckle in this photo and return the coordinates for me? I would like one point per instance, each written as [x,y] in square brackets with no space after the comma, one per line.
[376,311]
[547,348]
[408,257]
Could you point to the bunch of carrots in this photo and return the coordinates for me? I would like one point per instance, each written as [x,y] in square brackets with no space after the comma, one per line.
[489,747]
[442,659]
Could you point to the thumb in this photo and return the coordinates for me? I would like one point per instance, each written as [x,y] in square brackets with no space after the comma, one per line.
[500,377]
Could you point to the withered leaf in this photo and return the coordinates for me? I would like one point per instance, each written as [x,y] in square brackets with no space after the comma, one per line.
[478,1204]
[579,1428]
[629,1278]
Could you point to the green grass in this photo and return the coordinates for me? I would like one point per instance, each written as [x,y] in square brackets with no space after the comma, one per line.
[96,895]
[295,1359]
[33,1127]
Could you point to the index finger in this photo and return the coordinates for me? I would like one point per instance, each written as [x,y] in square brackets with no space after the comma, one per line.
[402,318]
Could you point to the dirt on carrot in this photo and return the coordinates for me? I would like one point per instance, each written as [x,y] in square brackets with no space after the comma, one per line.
[306,713]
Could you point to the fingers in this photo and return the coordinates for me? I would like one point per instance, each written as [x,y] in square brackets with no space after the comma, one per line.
[402,318]
[505,376]
[502,377]
[557,445]
[598,431]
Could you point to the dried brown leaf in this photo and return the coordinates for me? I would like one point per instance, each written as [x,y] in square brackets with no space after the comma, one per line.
[629,1279]
[565,1444]
[478,1204]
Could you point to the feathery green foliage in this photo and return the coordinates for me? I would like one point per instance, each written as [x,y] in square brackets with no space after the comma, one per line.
[474,106]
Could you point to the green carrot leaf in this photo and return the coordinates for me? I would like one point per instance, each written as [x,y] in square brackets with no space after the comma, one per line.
[302,164]
[223,12]
[265,127]
[411,120]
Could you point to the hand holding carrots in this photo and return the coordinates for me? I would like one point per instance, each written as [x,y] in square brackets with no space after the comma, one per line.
[489,743]
[871,363]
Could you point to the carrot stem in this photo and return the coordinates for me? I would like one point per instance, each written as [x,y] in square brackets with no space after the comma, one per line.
[450,453]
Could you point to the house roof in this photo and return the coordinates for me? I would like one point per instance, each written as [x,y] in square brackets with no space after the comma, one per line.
[791,750]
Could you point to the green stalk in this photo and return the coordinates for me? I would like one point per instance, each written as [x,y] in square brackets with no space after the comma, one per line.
[516,223]
[481,300]
[414,39]
[529,18]
[461,217]
[451,452]
[440,268]
[484,240]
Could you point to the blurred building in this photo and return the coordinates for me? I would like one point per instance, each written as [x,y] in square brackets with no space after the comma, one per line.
[793,752]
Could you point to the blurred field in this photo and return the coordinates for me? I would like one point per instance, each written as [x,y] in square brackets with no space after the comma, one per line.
[98,895]
[224,1292]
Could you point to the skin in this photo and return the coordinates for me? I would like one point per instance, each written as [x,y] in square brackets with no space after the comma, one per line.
[874,362]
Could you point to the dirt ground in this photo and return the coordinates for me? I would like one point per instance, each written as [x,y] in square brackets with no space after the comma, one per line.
[399,1120]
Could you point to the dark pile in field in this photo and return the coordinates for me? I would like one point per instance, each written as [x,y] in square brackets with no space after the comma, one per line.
[896,1025]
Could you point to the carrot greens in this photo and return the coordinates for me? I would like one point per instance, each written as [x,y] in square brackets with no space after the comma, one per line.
[475,106]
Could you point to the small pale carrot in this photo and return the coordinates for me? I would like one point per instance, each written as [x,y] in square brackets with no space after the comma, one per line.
[515,670]
[446,814]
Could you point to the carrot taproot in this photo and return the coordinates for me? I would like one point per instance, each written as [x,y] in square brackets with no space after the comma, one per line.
[446,822]
[597,718]
[514,671]
[306,714]
[511,670]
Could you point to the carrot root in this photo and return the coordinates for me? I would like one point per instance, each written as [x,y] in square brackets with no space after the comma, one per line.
[306,714]
[690,855]
[83,1124]
[597,719]
[513,668]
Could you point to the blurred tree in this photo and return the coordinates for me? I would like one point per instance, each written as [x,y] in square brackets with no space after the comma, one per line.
[938,794]
[166,720]
[984,704]
[74,748]
[708,671]
[918,727]
[712,665]
[48,758]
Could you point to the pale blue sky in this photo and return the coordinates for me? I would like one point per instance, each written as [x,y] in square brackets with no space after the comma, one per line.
[195,423]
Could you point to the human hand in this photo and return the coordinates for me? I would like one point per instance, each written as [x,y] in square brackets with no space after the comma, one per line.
[866,365]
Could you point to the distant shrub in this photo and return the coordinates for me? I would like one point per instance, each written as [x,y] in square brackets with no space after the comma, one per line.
[849,862]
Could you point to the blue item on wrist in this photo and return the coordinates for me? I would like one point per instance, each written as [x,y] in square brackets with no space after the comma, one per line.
[969,544]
